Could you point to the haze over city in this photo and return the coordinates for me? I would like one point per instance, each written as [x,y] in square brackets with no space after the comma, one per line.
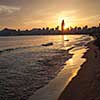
[28,14]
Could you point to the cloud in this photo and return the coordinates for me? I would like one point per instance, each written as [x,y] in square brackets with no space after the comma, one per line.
[49,16]
[8,9]
[88,18]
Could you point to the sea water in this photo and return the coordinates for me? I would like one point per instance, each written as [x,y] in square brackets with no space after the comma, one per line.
[26,65]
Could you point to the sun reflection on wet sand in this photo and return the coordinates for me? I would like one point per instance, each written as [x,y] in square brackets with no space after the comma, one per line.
[73,64]
[70,62]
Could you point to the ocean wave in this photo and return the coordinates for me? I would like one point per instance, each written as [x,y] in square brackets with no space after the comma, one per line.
[16,48]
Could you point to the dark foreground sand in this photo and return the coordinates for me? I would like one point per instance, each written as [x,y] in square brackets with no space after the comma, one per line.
[86,85]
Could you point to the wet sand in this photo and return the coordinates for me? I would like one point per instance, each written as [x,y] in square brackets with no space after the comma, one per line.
[86,85]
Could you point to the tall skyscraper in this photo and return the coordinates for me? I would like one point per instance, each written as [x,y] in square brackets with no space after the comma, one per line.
[62,25]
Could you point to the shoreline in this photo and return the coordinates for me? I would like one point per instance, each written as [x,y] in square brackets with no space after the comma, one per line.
[24,76]
[85,86]
[53,90]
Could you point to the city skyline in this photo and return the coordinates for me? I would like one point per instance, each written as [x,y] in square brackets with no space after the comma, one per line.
[28,14]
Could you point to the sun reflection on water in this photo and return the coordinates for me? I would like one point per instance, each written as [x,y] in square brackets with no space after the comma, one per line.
[65,37]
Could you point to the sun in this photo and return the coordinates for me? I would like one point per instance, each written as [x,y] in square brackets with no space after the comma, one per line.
[66,25]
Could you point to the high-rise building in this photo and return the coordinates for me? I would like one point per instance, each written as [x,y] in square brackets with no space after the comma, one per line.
[62,25]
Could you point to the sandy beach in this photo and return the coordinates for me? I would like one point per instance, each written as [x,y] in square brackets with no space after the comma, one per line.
[86,85]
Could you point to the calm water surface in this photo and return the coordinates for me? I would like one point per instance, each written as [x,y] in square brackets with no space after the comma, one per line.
[26,41]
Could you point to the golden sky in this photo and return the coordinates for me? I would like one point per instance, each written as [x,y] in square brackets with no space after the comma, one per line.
[28,14]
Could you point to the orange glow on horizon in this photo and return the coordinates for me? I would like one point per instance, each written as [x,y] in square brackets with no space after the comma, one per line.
[68,23]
